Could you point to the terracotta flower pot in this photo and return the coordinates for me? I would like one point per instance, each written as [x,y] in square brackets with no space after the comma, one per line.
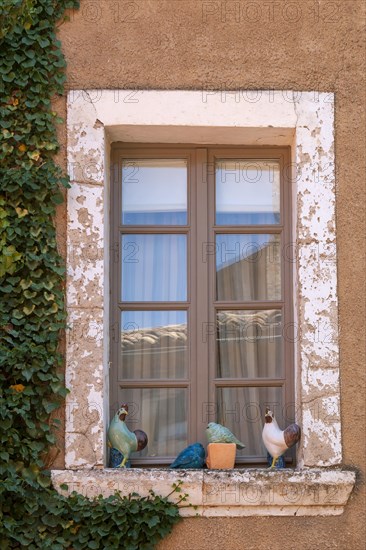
[220,456]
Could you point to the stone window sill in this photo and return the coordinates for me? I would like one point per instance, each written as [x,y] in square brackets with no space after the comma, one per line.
[228,493]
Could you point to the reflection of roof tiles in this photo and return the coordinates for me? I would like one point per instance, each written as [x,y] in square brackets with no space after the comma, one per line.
[234,318]
[178,333]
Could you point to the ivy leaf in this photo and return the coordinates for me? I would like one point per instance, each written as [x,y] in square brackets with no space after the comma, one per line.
[49,406]
[8,77]
[25,284]
[17,314]
[53,308]
[6,423]
[27,373]
[34,155]
[28,294]
[29,309]
[43,481]
[50,521]
[35,231]
[57,198]
[21,212]
[154,520]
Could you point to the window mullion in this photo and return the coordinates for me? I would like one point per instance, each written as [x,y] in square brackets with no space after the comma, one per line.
[200,274]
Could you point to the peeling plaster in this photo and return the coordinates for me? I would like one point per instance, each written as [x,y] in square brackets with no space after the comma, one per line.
[306,119]
[317,300]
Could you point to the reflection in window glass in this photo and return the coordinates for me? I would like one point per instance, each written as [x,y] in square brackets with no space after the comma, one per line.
[162,414]
[247,192]
[154,268]
[153,344]
[248,267]
[249,344]
[154,192]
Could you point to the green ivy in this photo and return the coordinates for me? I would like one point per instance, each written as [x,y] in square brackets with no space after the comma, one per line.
[32,313]
[50,520]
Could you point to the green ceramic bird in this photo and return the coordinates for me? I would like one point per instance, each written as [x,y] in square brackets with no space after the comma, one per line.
[219,434]
[120,437]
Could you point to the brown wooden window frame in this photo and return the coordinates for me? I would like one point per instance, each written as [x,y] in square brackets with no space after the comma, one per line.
[201,303]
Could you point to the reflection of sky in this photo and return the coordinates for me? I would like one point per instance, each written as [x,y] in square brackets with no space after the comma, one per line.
[136,320]
[247,186]
[234,248]
[154,191]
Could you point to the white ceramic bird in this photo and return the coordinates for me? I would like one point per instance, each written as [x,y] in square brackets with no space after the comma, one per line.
[277,441]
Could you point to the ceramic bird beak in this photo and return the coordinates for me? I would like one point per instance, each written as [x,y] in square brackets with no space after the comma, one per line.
[122,413]
[268,417]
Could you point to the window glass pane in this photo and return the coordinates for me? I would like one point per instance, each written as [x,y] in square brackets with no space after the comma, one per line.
[154,192]
[242,410]
[248,267]
[249,344]
[247,192]
[154,268]
[162,414]
[153,344]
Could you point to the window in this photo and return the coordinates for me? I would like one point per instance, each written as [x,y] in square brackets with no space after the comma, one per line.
[303,121]
[201,293]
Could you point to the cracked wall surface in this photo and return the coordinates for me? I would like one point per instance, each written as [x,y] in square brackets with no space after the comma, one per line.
[306,121]
[85,298]
[317,281]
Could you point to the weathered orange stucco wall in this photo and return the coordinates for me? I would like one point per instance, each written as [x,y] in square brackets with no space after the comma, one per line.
[258,44]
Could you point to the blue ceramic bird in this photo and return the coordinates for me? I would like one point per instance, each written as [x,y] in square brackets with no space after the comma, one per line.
[120,437]
[192,456]
[280,464]
[216,433]
[116,458]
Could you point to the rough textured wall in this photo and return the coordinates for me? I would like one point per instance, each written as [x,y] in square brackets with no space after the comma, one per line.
[259,44]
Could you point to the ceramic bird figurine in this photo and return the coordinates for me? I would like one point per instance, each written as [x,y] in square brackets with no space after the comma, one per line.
[192,456]
[115,459]
[277,441]
[120,437]
[219,434]
[280,464]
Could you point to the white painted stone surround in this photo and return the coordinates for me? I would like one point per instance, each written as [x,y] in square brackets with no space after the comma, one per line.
[303,120]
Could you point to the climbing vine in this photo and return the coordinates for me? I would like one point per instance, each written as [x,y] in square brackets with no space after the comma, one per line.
[32,314]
